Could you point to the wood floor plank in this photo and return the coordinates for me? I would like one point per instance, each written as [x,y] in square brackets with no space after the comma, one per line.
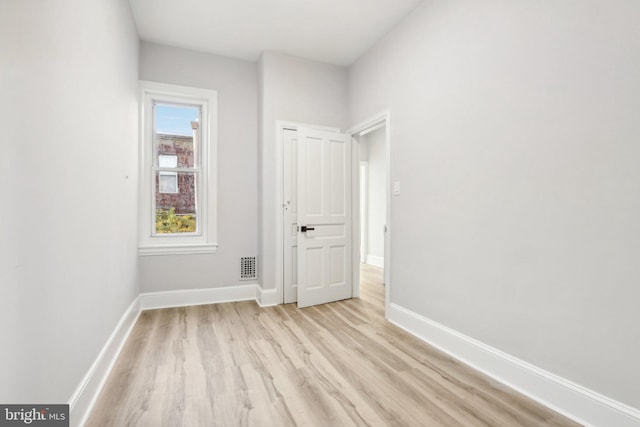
[340,364]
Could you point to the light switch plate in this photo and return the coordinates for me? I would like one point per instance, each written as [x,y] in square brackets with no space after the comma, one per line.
[396,188]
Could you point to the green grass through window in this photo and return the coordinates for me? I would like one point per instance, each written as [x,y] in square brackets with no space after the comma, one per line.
[168,222]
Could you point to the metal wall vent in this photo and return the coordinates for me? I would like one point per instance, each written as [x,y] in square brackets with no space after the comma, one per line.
[248,269]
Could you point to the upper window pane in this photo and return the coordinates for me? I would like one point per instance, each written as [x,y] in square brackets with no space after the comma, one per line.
[177,134]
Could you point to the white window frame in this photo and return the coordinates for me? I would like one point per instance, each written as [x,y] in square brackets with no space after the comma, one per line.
[205,239]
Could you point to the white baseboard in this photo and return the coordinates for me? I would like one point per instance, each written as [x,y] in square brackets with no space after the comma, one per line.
[266,297]
[182,298]
[376,261]
[86,394]
[563,396]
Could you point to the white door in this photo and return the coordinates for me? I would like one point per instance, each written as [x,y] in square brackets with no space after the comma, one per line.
[324,267]
[290,207]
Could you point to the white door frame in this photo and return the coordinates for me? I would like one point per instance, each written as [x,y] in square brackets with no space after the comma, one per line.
[373,122]
[281,125]
[368,125]
[364,202]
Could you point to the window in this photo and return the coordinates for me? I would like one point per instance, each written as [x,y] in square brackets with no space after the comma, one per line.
[177,183]
[168,183]
[168,180]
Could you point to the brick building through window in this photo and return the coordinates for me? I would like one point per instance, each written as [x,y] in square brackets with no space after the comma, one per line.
[180,194]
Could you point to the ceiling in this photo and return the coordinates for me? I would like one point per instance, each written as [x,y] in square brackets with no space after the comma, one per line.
[332,31]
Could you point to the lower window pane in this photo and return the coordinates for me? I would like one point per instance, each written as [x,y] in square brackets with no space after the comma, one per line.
[176,210]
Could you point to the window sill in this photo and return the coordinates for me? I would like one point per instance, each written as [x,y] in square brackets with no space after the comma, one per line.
[192,249]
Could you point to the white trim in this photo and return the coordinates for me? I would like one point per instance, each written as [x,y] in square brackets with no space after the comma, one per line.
[86,393]
[563,396]
[372,123]
[177,250]
[281,125]
[363,211]
[372,128]
[183,298]
[376,261]
[284,124]
[267,297]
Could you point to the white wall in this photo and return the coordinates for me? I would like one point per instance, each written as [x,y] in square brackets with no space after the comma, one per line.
[68,211]
[237,84]
[376,197]
[515,129]
[296,90]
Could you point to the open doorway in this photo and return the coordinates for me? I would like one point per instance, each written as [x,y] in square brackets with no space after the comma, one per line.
[373,203]
[287,246]
[316,220]
[372,157]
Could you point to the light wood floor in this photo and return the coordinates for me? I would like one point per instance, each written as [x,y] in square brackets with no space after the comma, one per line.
[340,364]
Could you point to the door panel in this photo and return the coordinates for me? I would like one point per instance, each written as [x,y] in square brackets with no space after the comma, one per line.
[338,178]
[324,206]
